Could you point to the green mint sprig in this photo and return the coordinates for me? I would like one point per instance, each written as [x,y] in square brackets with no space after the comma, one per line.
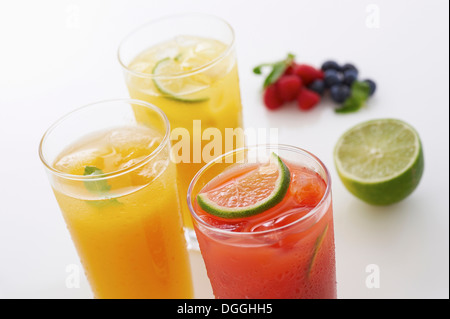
[359,94]
[277,69]
[98,187]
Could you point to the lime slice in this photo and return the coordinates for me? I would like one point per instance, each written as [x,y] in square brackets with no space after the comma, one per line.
[380,161]
[250,194]
[173,85]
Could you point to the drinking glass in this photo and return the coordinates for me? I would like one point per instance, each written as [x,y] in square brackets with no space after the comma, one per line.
[116,187]
[291,255]
[186,64]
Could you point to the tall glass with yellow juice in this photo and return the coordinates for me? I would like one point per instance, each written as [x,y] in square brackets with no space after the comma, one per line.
[116,187]
[186,65]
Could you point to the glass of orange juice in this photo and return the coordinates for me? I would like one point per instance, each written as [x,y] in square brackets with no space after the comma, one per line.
[264,222]
[186,64]
[116,187]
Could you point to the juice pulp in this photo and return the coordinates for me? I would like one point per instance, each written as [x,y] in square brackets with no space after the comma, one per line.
[271,255]
[212,77]
[127,229]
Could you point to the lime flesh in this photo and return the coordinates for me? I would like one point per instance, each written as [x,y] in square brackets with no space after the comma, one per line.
[231,201]
[380,161]
[183,88]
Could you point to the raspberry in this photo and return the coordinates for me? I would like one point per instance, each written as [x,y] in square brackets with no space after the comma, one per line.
[290,69]
[307,99]
[288,87]
[272,99]
[307,73]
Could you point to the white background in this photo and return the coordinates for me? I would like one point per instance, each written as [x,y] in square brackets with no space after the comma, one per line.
[58,55]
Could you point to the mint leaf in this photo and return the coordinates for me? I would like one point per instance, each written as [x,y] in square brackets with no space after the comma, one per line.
[360,90]
[277,69]
[104,203]
[358,96]
[258,69]
[99,187]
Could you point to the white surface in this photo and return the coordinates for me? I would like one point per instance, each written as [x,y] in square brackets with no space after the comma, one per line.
[58,55]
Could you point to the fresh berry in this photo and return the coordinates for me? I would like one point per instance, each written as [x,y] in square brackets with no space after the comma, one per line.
[272,100]
[288,87]
[317,86]
[290,69]
[289,81]
[339,93]
[331,77]
[307,99]
[330,65]
[349,66]
[307,73]
[350,76]
[372,86]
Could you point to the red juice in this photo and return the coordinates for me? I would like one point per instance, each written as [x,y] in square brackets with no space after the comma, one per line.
[285,252]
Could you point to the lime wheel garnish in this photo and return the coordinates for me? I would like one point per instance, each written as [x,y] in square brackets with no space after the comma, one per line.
[252,193]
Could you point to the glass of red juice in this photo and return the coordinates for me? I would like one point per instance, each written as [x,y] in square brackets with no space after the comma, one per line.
[285,251]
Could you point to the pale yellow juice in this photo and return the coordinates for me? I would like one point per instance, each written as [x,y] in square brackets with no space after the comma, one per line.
[191,78]
[127,227]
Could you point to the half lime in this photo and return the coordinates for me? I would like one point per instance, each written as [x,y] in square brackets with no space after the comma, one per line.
[380,161]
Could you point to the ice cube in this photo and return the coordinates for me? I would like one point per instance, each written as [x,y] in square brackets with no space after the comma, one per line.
[280,220]
[307,187]
[133,137]
[171,50]
[75,161]
[186,40]
[142,67]
[231,225]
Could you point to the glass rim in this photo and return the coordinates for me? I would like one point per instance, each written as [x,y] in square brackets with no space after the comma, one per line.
[286,147]
[116,173]
[204,67]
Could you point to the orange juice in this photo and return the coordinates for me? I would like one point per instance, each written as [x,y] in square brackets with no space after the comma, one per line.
[125,221]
